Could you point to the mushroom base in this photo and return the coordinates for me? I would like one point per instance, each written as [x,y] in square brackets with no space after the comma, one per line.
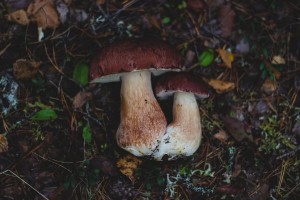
[183,135]
[143,123]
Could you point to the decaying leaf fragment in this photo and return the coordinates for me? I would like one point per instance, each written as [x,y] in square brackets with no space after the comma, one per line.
[19,16]
[269,86]
[3,144]
[226,17]
[226,56]
[128,165]
[81,98]
[237,129]
[220,86]
[44,13]
[221,136]
[24,69]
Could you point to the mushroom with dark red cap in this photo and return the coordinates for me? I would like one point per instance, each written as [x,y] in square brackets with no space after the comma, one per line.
[142,122]
[183,134]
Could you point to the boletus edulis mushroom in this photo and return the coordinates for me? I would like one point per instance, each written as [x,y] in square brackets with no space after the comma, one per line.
[132,61]
[184,133]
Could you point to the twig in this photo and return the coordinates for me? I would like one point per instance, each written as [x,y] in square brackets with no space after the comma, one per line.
[15,175]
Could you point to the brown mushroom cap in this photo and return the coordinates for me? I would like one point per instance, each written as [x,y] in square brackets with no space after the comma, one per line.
[134,54]
[173,82]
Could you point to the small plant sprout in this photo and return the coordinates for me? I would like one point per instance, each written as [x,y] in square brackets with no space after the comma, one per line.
[227,175]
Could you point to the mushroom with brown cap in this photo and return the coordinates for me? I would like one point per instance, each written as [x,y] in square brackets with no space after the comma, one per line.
[131,61]
[184,133]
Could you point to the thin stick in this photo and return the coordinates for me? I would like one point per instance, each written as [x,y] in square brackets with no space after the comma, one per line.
[15,175]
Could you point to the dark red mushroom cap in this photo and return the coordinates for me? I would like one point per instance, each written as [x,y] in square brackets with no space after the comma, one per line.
[173,82]
[134,54]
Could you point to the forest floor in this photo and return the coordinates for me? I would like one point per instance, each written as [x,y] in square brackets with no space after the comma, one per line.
[57,131]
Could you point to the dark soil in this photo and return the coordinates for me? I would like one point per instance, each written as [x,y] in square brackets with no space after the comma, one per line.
[251,133]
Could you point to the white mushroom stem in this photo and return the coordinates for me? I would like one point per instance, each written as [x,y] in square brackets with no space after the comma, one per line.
[183,135]
[142,123]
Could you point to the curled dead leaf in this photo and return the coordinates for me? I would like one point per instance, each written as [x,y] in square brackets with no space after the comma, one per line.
[226,56]
[81,98]
[128,165]
[44,13]
[269,86]
[226,17]
[221,136]
[220,86]
[238,129]
[278,60]
[24,69]
[19,16]
[3,144]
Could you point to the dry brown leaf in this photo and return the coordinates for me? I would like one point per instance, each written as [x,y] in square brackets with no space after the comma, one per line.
[24,69]
[19,16]
[220,86]
[226,56]
[226,17]
[100,2]
[81,98]
[196,6]
[221,136]
[153,21]
[269,86]
[128,165]
[3,144]
[44,13]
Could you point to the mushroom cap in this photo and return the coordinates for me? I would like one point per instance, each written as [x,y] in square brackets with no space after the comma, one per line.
[134,54]
[173,82]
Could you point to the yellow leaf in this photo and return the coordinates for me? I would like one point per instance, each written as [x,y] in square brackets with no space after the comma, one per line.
[3,144]
[220,86]
[19,16]
[227,57]
[128,165]
[278,60]
[44,13]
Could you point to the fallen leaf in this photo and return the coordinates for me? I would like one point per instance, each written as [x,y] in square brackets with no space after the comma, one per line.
[222,136]
[189,57]
[226,56]
[278,60]
[63,11]
[229,189]
[81,98]
[196,6]
[128,165]
[236,128]
[19,16]
[24,69]
[100,2]
[3,144]
[220,86]
[242,46]
[269,86]
[44,13]
[226,17]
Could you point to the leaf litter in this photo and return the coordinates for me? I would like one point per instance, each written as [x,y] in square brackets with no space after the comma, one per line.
[60,129]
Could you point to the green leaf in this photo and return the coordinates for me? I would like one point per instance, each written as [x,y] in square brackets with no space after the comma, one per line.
[44,115]
[166,20]
[206,57]
[80,73]
[87,134]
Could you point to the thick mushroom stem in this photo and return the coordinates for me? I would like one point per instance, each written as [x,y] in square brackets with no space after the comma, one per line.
[143,123]
[183,135]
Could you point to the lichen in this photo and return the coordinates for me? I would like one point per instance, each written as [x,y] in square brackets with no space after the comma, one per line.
[9,89]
